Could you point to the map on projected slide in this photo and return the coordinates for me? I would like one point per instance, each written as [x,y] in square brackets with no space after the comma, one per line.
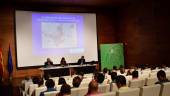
[58,35]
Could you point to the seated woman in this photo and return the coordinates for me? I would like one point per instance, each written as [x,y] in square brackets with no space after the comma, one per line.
[93,89]
[65,90]
[50,86]
[63,62]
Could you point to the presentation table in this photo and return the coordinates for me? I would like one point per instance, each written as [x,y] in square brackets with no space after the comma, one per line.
[57,71]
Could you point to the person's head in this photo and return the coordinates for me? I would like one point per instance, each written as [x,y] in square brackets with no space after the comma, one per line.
[65,90]
[114,68]
[48,60]
[46,76]
[63,58]
[49,83]
[35,80]
[76,81]
[128,72]
[41,82]
[161,75]
[99,77]
[121,66]
[113,76]
[105,70]
[81,75]
[93,87]
[122,70]
[61,81]
[82,57]
[120,81]
[135,74]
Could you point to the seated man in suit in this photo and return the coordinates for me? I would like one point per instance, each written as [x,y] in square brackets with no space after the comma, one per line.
[81,60]
[48,63]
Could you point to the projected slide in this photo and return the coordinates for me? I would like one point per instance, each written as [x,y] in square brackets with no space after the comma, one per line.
[57,33]
[42,35]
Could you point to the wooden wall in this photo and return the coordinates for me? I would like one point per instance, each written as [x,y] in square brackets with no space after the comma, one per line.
[143,27]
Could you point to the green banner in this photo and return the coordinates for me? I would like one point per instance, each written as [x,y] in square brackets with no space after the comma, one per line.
[111,55]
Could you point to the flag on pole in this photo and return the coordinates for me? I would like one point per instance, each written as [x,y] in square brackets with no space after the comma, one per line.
[10,64]
[1,64]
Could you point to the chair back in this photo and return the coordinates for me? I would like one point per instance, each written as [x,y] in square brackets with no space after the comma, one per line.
[152,90]
[128,92]
[165,89]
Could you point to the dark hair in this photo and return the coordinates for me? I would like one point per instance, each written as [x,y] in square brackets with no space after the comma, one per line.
[113,76]
[41,82]
[81,74]
[46,76]
[99,77]
[92,87]
[120,79]
[35,80]
[114,68]
[135,74]
[161,73]
[76,81]
[61,81]
[49,83]
[122,70]
[105,70]
[128,73]
[65,89]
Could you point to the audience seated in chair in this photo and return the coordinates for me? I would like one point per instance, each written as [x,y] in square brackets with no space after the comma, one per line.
[161,75]
[99,77]
[135,74]
[50,86]
[121,82]
[93,89]
[65,90]
[76,82]
[40,84]
[61,81]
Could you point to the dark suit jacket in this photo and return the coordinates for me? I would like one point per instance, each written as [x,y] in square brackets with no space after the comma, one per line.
[81,61]
[48,64]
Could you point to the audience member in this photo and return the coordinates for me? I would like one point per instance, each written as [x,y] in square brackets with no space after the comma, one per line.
[81,75]
[50,86]
[99,77]
[122,71]
[40,84]
[114,69]
[65,90]
[46,76]
[128,73]
[161,75]
[93,89]
[76,82]
[61,81]
[105,72]
[135,74]
[121,82]
[113,77]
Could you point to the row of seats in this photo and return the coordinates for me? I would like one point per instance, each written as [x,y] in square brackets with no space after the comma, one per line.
[147,77]
[152,90]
